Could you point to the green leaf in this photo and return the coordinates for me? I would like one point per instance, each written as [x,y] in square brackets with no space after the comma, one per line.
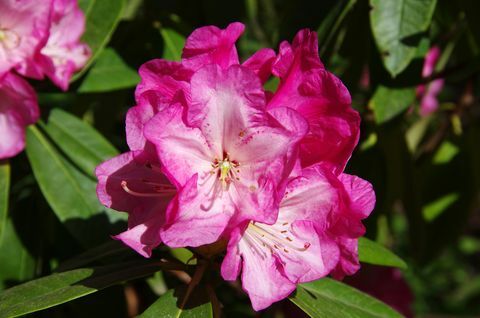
[85,146]
[4,192]
[102,17]
[109,73]
[169,305]
[16,262]
[59,288]
[389,102]
[173,44]
[326,298]
[433,209]
[70,193]
[373,253]
[397,26]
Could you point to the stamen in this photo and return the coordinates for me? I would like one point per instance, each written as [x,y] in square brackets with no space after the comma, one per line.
[160,190]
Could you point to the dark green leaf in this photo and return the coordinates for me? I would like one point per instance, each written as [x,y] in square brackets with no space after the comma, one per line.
[374,253]
[109,73]
[102,17]
[16,263]
[326,298]
[85,146]
[173,44]
[389,102]
[70,193]
[4,192]
[169,305]
[397,26]
[59,288]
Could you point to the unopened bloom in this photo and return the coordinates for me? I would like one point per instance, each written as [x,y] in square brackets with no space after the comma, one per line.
[24,29]
[303,244]
[18,109]
[428,93]
[63,53]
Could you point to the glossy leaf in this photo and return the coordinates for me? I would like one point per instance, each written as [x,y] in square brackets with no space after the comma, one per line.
[70,193]
[169,305]
[389,102]
[59,288]
[173,44]
[85,146]
[102,17]
[327,298]
[109,73]
[397,26]
[373,253]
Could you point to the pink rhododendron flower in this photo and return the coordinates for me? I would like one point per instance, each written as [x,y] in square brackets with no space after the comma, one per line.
[24,29]
[63,53]
[306,86]
[229,157]
[428,93]
[305,243]
[18,109]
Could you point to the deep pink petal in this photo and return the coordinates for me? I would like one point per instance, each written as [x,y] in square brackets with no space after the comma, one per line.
[362,196]
[18,109]
[321,98]
[211,45]
[348,263]
[261,63]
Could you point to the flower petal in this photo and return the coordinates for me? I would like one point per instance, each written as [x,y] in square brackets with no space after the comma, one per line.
[211,45]
[182,150]
[18,109]
[197,216]
[261,63]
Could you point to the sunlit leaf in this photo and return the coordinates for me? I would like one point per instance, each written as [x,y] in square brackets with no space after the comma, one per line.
[173,44]
[389,102]
[85,146]
[59,288]
[109,73]
[374,253]
[326,298]
[397,27]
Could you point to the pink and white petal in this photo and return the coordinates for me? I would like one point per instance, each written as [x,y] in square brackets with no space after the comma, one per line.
[232,261]
[182,150]
[198,215]
[211,45]
[12,131]
[312,196]
[308,257]
[225,103]
[261,63]
[273,285]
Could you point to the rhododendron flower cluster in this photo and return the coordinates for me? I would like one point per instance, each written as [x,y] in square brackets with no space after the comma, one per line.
[38,38]
[214,157]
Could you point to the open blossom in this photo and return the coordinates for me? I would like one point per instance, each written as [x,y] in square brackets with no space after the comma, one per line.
[24,30]
[18,109]
[428,93]
[63,54]
[304,244]
[229,157]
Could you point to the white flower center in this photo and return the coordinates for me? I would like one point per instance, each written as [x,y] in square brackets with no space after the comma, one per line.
[227,170]
[9,39]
